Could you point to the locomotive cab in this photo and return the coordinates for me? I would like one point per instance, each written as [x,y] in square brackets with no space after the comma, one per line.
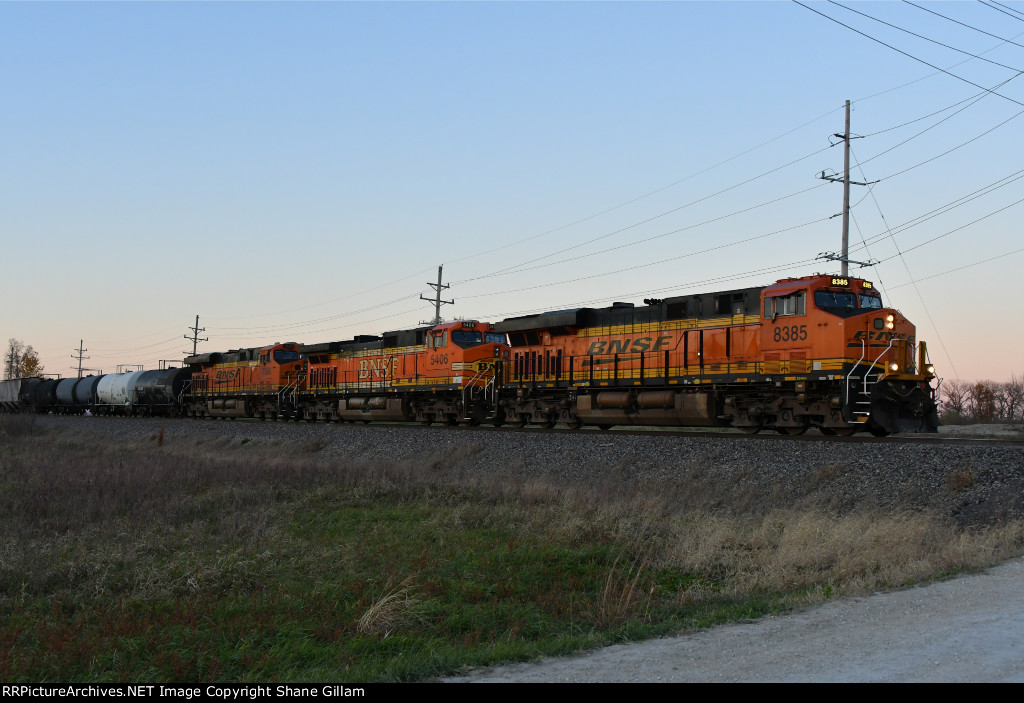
[831,328]
[281,366]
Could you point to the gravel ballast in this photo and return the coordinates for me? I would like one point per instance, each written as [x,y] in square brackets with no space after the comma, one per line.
[975,482]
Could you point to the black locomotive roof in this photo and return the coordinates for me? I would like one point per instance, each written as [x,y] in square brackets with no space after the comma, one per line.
[395,338]
[544,320]
[743,301]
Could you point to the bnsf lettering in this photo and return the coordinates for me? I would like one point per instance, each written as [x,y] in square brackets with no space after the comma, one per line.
[226,374]
[386,367]
[621,346]
[880,336]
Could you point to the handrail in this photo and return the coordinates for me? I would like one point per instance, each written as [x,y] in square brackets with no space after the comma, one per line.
[863,351]
[471,384]
[891,340]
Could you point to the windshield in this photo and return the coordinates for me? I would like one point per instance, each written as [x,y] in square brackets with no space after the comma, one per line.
[468,336]
[834,299]
[495,338]
[871,302]
[283,357]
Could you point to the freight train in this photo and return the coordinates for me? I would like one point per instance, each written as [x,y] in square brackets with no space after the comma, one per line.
[813,352]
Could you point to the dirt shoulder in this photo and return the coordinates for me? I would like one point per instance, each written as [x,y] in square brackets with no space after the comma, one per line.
[965,629]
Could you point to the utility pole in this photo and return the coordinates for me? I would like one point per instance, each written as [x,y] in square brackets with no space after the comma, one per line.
[844,255]
[437,300]
[79,357]
[846,194]
[195,336]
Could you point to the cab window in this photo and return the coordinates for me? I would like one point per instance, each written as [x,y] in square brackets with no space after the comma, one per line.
[466,337]
[439,340]
[785,305]
[283,357]
[870,302]
[835,299]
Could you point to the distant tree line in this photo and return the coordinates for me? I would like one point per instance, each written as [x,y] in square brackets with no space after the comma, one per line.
[982,401]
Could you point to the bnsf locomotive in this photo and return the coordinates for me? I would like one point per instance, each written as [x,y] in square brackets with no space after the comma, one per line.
[819,351]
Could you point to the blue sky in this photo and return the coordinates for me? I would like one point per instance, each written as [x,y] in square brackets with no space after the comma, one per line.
[297,171]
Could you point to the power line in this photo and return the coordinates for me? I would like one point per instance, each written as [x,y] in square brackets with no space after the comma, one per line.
[518,268]
[900,51]
[963,24]
[973,100]
[921,36]
[652,263]
[993,2]
[960,268]
[950,205]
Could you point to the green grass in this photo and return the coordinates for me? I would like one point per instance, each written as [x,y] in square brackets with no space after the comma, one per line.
[166,563]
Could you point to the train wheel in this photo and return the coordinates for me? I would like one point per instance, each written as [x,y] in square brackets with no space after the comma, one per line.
[428,418]
[749,429]
[605,427]
[518,421]
[574,424]
[547,424]
[878,431]
[844,431]
[451,419]
[791,431]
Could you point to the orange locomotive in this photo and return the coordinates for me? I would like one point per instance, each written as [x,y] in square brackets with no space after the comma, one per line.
[819,351]
[445,373]
[243,382]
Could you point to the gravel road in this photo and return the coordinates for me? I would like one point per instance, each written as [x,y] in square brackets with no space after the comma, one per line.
[966,629]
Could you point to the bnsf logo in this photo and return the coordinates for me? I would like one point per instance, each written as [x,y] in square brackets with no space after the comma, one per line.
[880,336]
[226,374]
[618,346]
[386,367]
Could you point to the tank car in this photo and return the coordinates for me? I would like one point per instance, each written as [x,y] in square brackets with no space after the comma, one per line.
[818,351]
[115,393]
[65,393]
[158,392]
[85,392]
[43,395]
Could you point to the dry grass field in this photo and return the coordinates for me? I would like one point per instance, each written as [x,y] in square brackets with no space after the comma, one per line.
[167,559]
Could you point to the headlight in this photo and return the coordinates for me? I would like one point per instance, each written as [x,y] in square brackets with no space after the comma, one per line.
[889,325]
[889,318]
[929,368]
[894,366]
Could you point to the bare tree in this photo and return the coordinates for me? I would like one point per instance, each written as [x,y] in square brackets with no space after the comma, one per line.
[955,394]
[21,361]
[12,359]
[982,401]
[1012,399]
